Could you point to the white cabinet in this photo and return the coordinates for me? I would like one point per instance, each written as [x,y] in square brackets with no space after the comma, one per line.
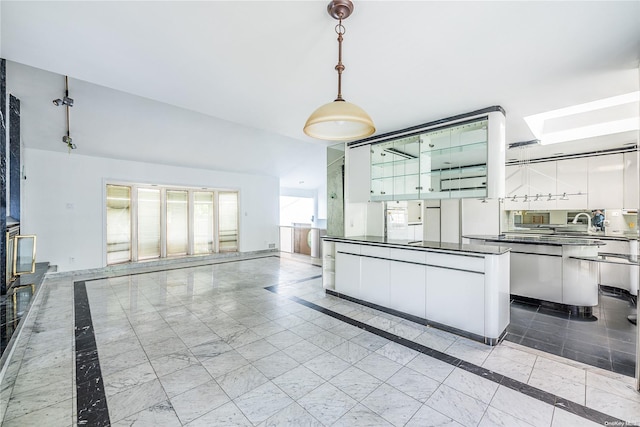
[414,211]
[536,181]
[630,185]
[444,304]
[406,169]
[480,217]
[623,276]
[381,172]
[572,179]
[466,291]
[515,185]
[359,178]
[432,223]
[415,232]
[450,221]
[348,280]
[374,282]
[600,182]
[408,292]
[458,161]
[453,161]
[536,276]
[347,263]
[605,182]
[542,184]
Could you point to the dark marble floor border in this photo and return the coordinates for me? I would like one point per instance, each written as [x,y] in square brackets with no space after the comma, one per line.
[541,395]
[91,398]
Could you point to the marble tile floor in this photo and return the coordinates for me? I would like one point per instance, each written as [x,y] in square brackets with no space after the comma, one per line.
[209,345]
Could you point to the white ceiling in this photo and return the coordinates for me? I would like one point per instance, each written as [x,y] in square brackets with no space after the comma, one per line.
[267,65]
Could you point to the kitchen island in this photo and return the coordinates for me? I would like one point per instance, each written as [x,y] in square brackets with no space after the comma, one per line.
[618,263]
[460,288]
[551,269]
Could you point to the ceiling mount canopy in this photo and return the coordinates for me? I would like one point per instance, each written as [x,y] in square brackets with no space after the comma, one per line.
[339,120]
[340,9]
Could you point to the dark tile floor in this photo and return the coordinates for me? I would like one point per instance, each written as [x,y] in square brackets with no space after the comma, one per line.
[608,342]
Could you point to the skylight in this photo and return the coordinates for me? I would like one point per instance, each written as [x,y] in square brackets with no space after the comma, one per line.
[602,117]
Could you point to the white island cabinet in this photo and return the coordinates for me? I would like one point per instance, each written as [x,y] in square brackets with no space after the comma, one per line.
[460,288]
[556,270]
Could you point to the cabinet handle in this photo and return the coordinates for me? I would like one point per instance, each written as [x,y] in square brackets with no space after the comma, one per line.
[418,188]
[382,192]
[371,191]
[431,145]
[431,189]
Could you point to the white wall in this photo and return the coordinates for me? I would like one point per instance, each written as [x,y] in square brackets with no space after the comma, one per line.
[63,202]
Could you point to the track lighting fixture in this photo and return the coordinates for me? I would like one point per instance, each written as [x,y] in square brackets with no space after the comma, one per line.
[540,197]
[67,140]
[66,102]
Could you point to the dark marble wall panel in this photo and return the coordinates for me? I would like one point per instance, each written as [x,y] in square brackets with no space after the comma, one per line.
[14,157]
[3,176]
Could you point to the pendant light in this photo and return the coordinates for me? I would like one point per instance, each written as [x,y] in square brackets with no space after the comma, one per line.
[339,120]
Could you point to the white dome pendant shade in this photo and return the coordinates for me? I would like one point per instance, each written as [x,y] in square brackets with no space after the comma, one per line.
[339,120]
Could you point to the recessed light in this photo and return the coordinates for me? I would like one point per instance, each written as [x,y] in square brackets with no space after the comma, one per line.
[300,182]
[558,154]
[511,160]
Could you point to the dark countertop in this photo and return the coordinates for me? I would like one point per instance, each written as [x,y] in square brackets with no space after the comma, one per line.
[597,235]
[620,259]
[538,240]
[420,245]
[623,238]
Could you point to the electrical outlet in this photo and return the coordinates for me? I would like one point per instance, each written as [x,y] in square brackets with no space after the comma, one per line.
[272,245]
[71,260]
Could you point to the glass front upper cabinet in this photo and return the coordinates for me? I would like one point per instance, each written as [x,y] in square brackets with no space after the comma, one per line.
[382,171]
[449,162]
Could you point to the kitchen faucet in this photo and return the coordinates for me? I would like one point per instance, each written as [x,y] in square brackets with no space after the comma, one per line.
[575,220]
